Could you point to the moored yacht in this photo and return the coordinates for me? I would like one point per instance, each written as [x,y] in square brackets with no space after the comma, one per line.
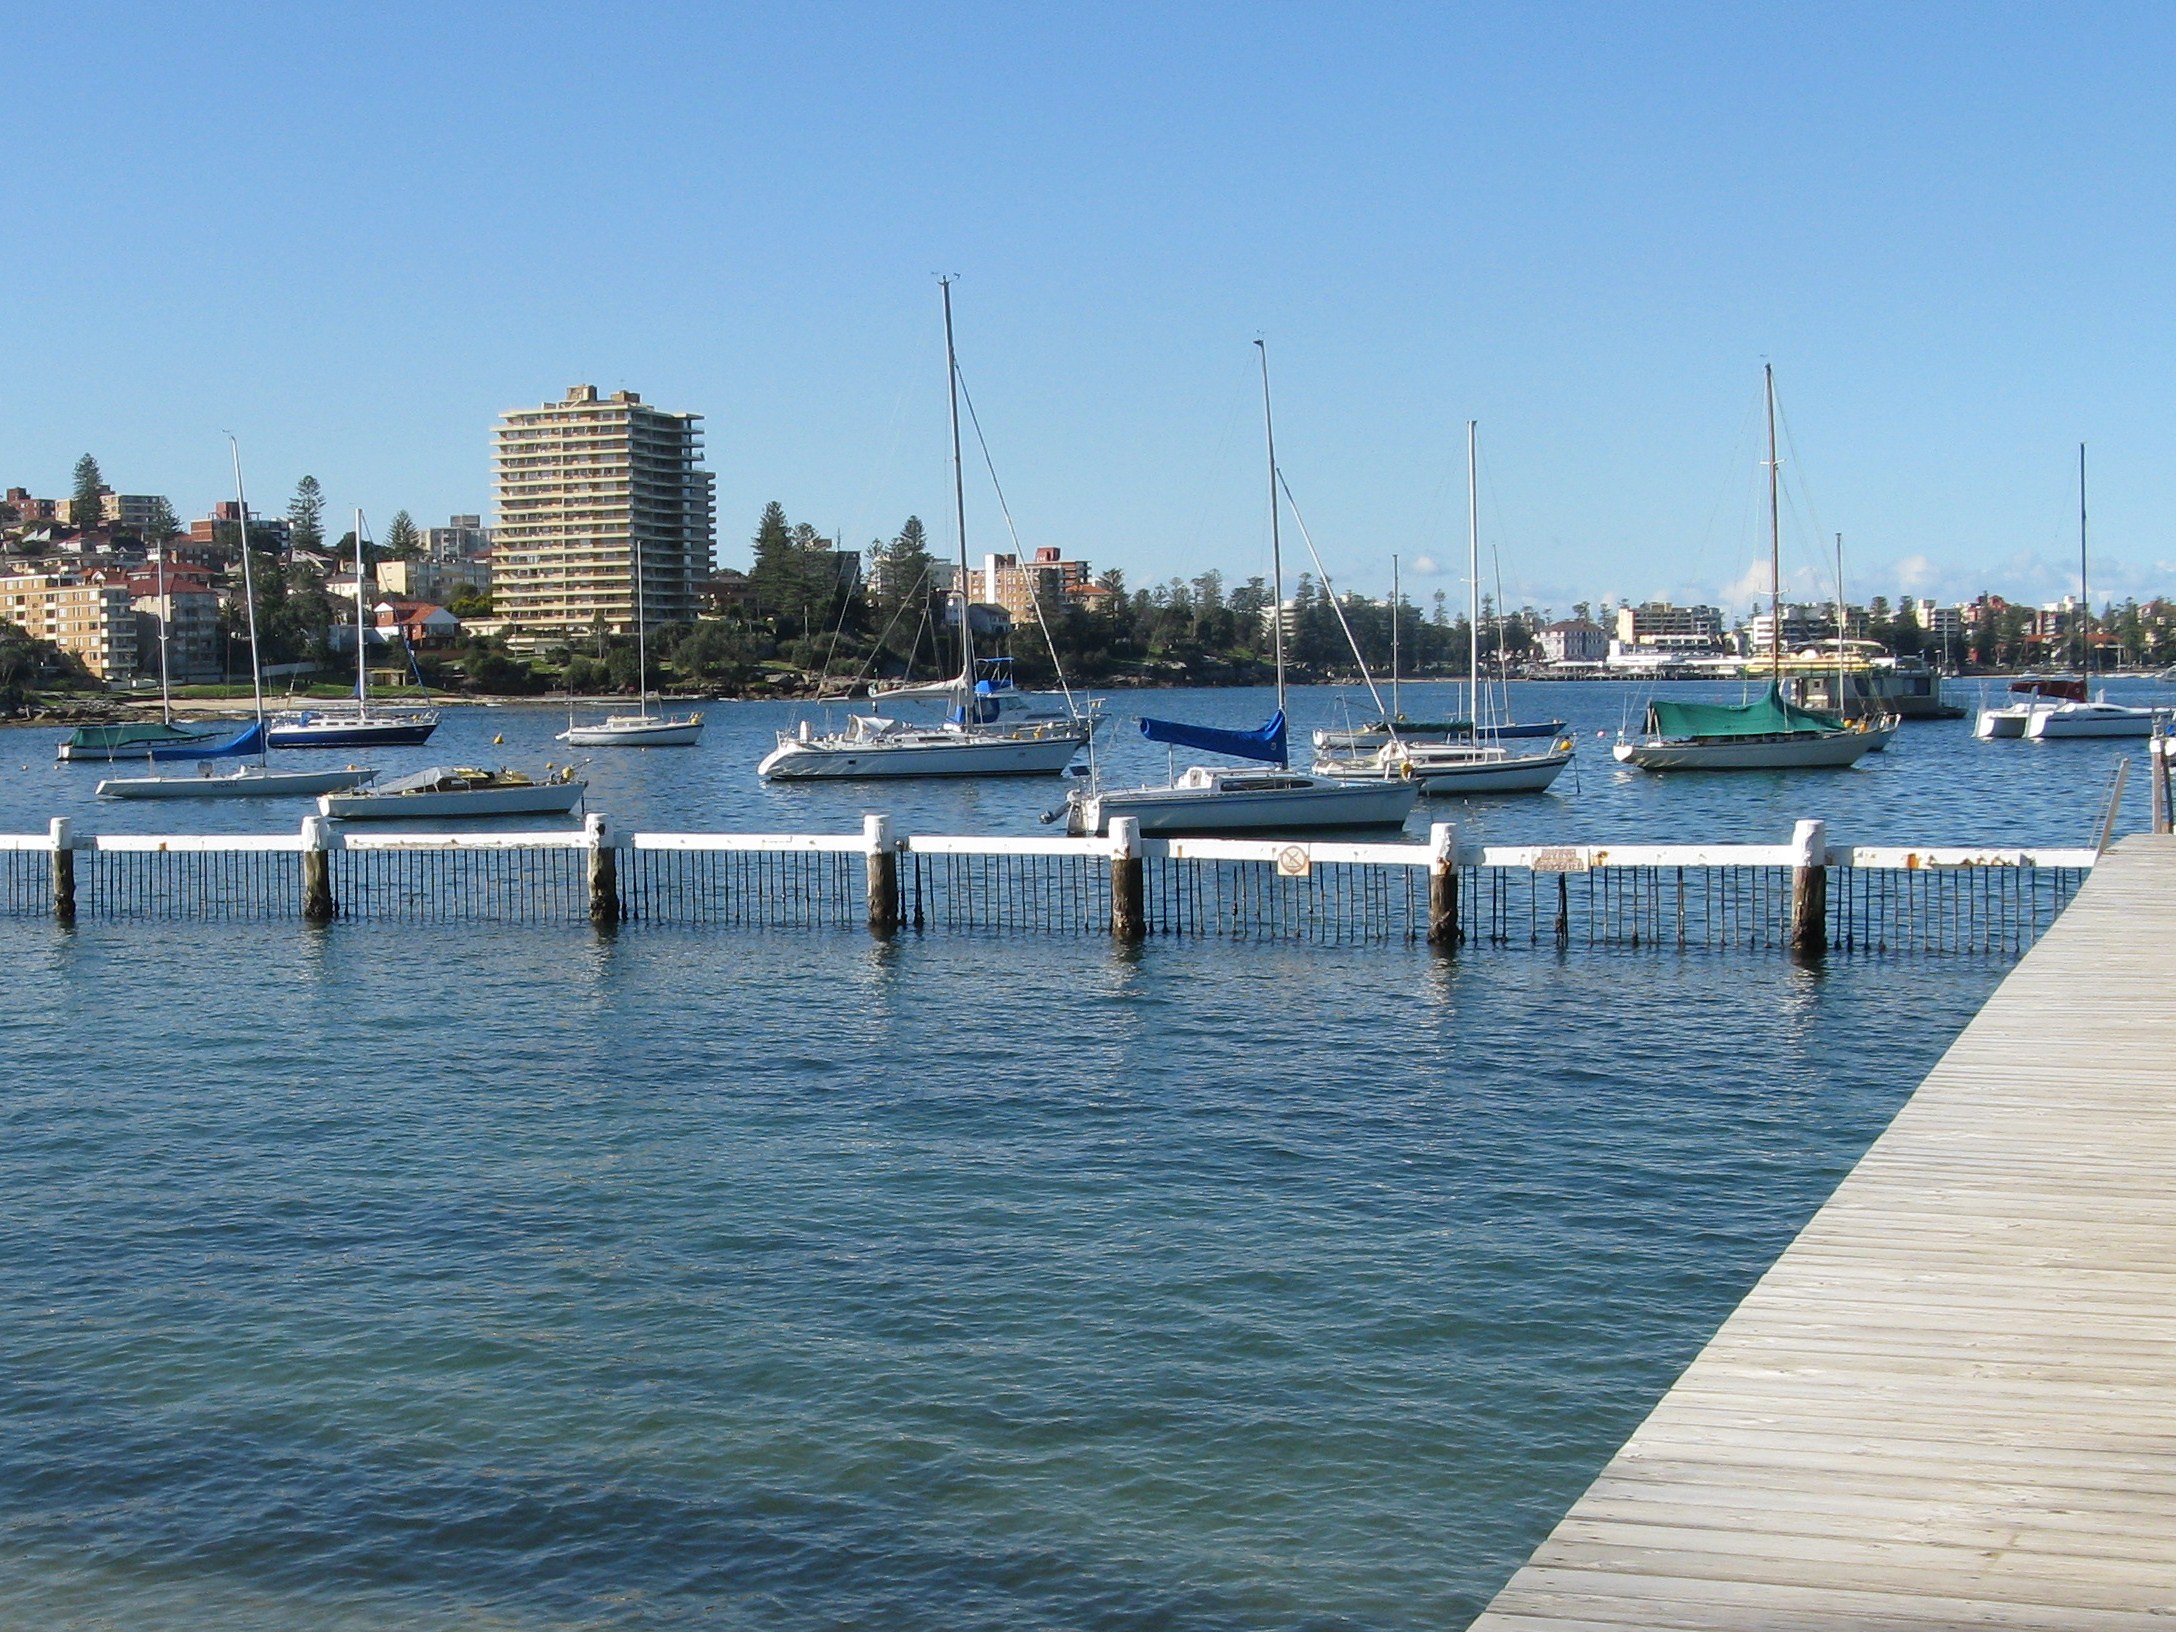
[1216,799]
[993,729]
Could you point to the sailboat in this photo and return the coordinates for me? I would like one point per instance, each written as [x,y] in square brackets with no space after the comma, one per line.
[1216,799]
[1482,764]
[991,728]
[641,729]
[250,781]
[1769,734]
[1393,725]
[359,726]
[2074,716]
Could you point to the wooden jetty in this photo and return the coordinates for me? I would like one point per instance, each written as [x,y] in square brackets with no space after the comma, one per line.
[1952,1401]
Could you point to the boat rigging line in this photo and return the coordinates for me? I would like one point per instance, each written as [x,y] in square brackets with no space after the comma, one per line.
[1035,599]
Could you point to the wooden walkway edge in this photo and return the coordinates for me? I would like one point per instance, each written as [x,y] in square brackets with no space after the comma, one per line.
[1952,1401]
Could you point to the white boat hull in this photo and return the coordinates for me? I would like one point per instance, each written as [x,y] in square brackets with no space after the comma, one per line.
[1828,750]
[1444,771]
[245,784]
[2089,720]
[1531,773]
[921,754]
[1318,805]
[635,731]
[1999,723]
[533,799]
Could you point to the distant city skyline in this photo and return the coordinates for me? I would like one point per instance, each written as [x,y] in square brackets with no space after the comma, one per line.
[1584,228]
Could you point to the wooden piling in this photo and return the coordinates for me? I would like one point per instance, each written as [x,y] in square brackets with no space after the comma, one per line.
[882,855]
[1443,886]
[604,875]
[1809,890]
[64,870]
[318,906]
[1129,912]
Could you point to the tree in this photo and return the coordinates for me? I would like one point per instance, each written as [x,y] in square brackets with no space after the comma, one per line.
[402,541]
[162,525]
[901,572]
[306,516]
[771,577]
[87,507]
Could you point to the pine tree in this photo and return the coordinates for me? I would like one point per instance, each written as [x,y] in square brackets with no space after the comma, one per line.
[162,524]
[87,507]
[402,541]
[306,516]
[774,579]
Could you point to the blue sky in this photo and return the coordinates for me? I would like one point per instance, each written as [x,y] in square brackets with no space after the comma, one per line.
[353,235]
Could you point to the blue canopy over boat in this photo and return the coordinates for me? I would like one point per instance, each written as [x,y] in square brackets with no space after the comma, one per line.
[1266,744]
[249,740]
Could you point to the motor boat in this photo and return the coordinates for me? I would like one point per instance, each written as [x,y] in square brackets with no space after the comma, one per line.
[451,792]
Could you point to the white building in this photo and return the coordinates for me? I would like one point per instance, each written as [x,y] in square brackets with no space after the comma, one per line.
[1575,640]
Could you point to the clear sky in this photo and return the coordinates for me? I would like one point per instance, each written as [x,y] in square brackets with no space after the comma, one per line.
[352,235]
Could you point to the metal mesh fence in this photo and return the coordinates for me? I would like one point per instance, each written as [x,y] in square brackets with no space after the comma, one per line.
[1973,911]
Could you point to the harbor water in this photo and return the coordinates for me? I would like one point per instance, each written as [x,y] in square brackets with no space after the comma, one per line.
[489,1277]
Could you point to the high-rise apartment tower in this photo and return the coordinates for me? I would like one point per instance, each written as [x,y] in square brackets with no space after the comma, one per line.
[583,485]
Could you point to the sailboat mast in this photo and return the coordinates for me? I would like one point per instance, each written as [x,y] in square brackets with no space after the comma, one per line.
[959,510]
[1276,541]
[166,694]
[2085,599]
[1840,629]
[249,590]
[1395,606]
[362,670]
[1775,537]
[1473,577]
[642,631]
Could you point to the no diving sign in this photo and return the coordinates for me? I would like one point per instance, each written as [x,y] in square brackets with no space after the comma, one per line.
[1293,861]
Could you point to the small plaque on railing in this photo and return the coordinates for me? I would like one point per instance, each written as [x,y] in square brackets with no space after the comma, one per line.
[1293,861]
[1563,858]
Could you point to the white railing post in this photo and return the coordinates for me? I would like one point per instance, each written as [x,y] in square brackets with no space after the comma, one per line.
[881,855]
[1809,889]
[1129,917]
[604,873]
[318,906]
[62,835]
[1443,886]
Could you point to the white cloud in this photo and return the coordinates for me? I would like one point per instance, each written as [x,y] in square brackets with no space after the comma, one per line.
[1426,566]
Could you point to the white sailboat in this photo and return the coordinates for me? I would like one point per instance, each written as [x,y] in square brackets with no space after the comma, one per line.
[641,729]
[256,781]
[1770,734]
[2075,716]
[1253,799]
[992,729]
[1481,764]
[357,726]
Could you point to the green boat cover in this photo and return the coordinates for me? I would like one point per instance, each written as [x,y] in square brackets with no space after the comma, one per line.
[1771,716]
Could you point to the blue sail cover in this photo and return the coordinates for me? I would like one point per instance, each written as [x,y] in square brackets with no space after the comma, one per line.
[249,740]
[1266,744]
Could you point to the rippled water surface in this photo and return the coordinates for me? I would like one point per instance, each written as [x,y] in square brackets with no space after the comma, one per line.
[395,1278]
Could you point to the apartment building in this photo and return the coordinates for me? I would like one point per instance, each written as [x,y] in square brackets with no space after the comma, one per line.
[434,580]
[463,538]
[581,485]
[1678,628]
[94,621]
[1008,581]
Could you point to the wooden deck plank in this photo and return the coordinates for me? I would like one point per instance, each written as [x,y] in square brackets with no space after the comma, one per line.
[1952,1400]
